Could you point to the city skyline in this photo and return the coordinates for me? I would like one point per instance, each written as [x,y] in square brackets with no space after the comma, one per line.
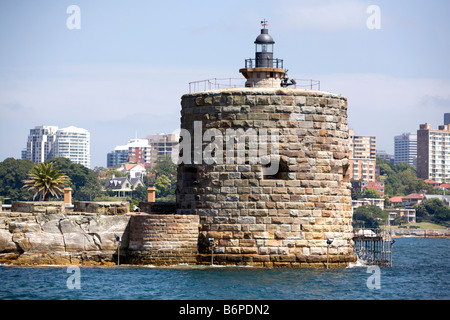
[128,65]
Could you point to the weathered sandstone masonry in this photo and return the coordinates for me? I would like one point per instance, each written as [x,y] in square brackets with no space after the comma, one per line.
[39,207]
[163,239]
[105,207]
[420,233]
[51,237]
[282,219]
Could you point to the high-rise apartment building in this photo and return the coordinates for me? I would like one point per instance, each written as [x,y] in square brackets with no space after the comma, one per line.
[362,157]
[433,153]
[405,148]
[47,142]
[40,143]
[75,144]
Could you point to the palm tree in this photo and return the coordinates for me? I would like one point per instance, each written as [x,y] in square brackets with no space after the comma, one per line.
[46,180]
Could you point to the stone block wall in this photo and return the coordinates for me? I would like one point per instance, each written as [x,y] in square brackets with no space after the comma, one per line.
[420,233]
[161,239]
[38,207]
[271,220]
[104,207]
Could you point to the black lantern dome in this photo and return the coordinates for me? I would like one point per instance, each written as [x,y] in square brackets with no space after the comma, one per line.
[264,37]
[264,70]
[264,48]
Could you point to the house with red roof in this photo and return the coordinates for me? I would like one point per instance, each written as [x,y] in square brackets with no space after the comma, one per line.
[412,199]
[444,186]
[134,170]
[396,200]
[432,182]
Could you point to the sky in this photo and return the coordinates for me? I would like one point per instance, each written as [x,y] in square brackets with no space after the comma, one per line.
[122,73]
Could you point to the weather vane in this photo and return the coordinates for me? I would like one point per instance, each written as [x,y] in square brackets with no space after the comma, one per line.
[264,23]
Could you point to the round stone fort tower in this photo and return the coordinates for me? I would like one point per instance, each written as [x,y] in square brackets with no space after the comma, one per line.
[265,169]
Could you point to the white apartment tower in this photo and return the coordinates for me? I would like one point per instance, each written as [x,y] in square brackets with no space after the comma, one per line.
[405,148]
[74,143]
[40,143]
[46,142]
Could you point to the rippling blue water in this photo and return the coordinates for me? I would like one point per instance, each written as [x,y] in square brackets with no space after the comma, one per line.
[420,271]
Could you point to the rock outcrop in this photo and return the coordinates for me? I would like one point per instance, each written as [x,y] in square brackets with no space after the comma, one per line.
[61,238]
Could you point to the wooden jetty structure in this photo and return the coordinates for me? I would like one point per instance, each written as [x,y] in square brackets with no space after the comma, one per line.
[373,246]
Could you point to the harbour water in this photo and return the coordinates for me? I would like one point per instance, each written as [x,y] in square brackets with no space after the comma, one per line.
[420,271]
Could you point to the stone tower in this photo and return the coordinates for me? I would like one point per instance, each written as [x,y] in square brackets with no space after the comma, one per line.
[265,169]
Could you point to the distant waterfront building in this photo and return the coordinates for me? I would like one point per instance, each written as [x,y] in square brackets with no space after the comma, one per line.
[405,147]
[163,145]
[136,151]
[145,151]
[408,213]
[116,157]
[433,153]
[134,170]
[139,151]
[40,144]
[74,144]
[121,187]
[361,186]
[362,157]
[384,155]
[368,202]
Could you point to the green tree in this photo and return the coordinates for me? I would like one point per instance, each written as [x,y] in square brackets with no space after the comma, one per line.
[368,193]
[399,220]
[369,217]
[80,176]
[356,194]
[46,181]
[401,179]
[139,194]
[371,194]
[165,166]
[12,174]
[90,191]
[433,210]
[165,172]
[162,186]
